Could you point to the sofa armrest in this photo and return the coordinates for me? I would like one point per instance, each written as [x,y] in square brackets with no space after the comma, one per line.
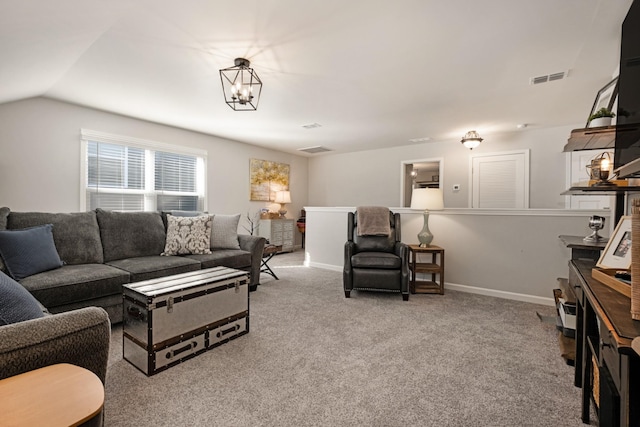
[254,245]
[80,337]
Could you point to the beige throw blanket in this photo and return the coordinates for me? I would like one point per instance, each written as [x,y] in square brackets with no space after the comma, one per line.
[373,221]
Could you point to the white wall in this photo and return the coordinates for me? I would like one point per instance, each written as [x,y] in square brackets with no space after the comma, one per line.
[40,158]
[509,254]
[373,177]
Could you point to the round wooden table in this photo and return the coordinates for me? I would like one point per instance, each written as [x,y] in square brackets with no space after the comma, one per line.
[56,395]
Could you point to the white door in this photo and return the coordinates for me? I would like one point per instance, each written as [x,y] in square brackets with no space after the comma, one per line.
[500,180]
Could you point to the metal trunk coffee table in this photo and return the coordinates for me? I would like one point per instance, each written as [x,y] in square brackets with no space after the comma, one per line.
[171,319]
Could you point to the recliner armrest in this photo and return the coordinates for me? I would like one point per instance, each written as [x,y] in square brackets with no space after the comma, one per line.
[80,337]
[402,250]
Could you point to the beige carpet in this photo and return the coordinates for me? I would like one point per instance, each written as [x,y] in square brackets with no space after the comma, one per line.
[315,358]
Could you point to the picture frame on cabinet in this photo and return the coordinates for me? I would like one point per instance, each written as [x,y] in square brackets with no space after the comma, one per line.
[617,253]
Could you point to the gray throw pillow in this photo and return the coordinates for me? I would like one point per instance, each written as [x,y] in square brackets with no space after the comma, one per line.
[224,232]
[29,251]
[188,235]
[16,304]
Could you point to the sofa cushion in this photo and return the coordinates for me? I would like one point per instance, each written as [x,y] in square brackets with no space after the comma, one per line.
[29,251]
[188,235]
[224,232]
[151,267]
[73,283]
[4,214]
[130,234]
[76,235]
[232,258]
[16,304]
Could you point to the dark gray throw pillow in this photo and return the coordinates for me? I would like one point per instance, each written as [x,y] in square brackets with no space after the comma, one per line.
[16,303]
[29,251]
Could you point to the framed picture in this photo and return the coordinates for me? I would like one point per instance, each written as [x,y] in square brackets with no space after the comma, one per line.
[617,253]
[267,177]
[605,98]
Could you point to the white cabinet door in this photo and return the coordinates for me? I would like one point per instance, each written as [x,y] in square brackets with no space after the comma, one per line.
[579,176]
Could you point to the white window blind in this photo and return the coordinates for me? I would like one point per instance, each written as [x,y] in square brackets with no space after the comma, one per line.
[128,174]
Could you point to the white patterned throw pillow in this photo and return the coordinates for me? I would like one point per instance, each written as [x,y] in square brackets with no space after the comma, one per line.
[188,235]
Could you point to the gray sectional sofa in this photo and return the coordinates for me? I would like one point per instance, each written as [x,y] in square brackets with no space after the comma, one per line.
[103,250]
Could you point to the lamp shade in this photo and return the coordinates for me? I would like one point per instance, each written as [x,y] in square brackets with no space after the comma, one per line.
[282,197]
[427,199]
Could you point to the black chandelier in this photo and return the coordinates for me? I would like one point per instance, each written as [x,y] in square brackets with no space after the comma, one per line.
[241,86]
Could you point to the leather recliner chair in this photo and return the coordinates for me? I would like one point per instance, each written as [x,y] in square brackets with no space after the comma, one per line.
[376,263]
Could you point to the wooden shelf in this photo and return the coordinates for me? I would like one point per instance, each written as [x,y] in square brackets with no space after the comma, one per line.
[435,268]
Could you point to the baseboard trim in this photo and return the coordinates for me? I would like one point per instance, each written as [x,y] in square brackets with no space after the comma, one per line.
[465,288]
[501,294]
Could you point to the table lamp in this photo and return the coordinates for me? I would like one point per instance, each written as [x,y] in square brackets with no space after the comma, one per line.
[427,199]
[282,197]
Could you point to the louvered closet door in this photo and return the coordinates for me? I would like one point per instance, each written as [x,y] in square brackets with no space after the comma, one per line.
[501,181]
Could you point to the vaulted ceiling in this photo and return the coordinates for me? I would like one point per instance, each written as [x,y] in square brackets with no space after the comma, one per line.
[372,73]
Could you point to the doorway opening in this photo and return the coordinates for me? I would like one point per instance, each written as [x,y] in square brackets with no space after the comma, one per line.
[421,173]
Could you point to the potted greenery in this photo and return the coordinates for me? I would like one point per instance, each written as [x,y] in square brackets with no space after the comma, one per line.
[602,117]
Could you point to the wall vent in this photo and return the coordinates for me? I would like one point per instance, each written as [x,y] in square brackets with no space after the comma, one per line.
[314,150]
[548,78]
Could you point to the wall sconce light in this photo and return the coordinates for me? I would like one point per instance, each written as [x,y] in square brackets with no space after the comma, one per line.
[241,86]
[471,139]
[282,197]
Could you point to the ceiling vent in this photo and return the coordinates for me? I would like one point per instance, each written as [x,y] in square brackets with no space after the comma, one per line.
[423,139]
[314,150]
[548,78]
[312,126]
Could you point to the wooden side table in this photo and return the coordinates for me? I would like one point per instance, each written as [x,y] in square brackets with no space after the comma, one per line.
[435,268]
[56,395]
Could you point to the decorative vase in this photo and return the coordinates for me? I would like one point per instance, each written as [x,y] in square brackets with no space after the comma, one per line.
[601,121]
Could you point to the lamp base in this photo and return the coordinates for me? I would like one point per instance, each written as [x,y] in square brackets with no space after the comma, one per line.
[282,213]
[594,237]
[425,237]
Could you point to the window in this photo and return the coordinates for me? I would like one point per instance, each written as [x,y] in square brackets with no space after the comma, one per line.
[500,180]
[121,173]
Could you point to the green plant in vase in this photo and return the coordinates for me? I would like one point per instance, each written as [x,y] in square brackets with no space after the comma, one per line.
[602,117]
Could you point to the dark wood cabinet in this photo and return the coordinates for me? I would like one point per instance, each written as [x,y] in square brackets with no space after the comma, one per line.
[607,367]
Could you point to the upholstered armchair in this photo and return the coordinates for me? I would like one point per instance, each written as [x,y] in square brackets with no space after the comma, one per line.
[376,262]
